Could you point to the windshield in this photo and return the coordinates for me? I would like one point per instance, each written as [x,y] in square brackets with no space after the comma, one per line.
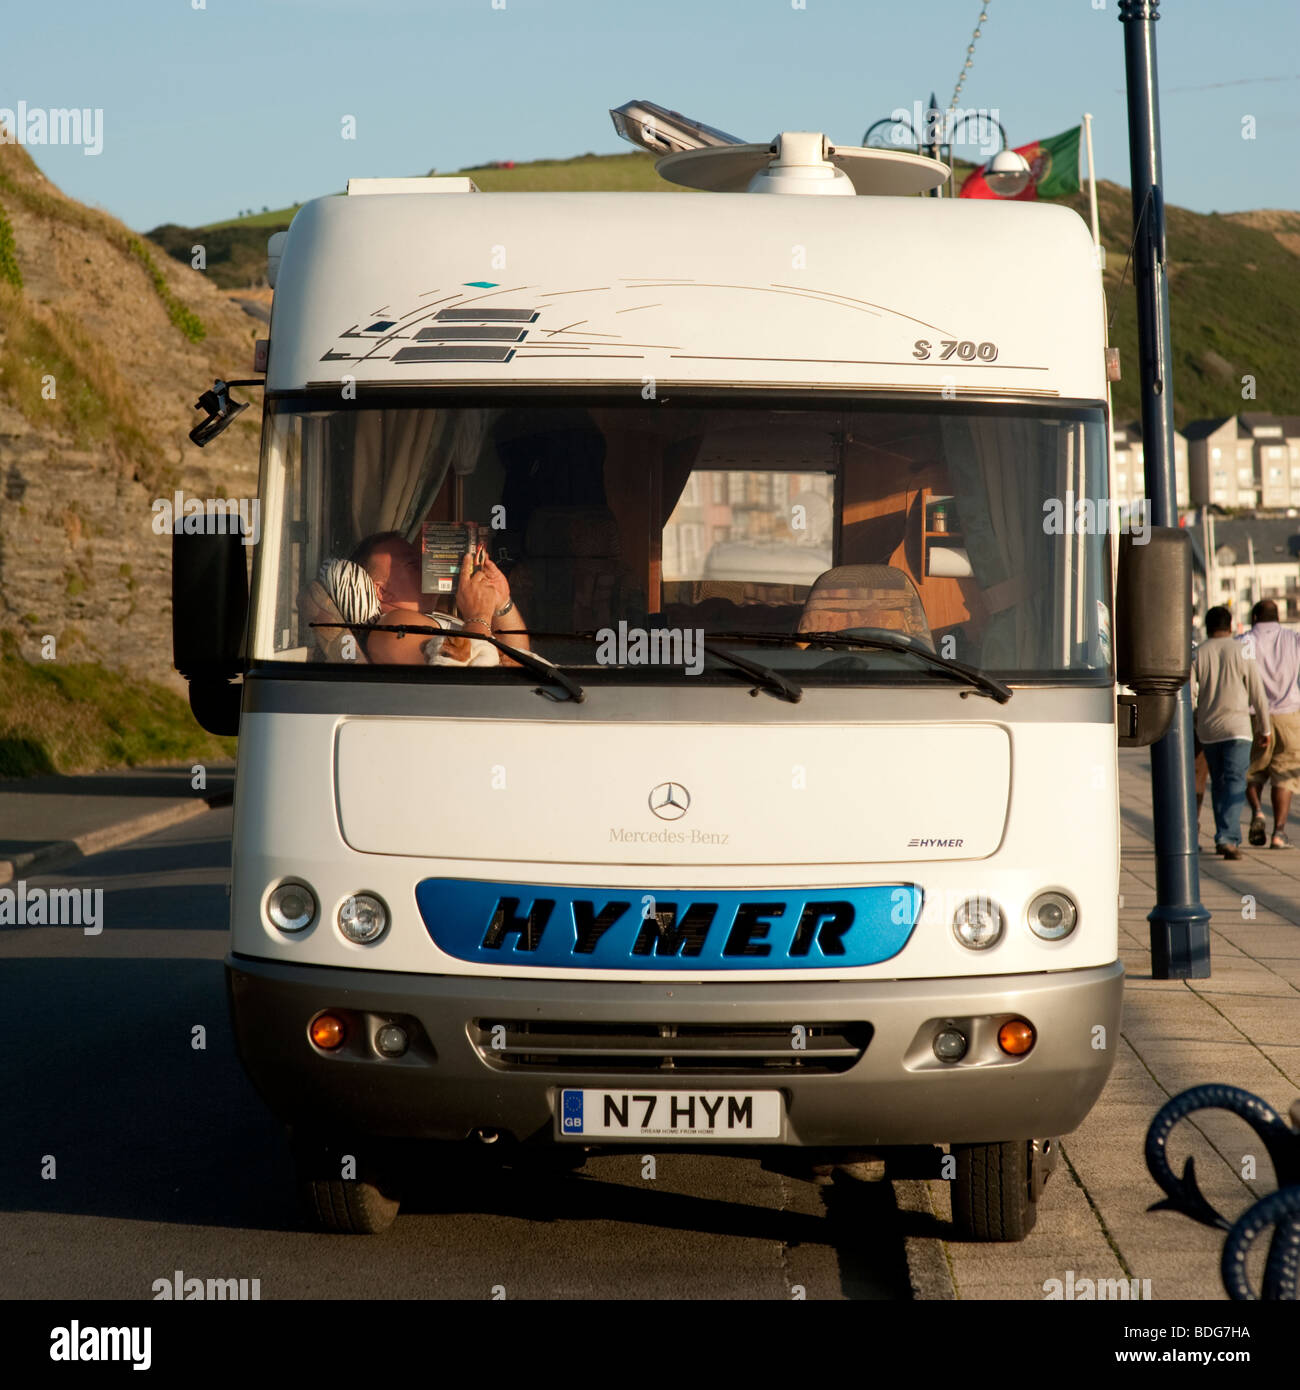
[624,540]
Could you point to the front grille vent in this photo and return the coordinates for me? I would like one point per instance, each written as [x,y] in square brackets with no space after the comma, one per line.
[716,1048]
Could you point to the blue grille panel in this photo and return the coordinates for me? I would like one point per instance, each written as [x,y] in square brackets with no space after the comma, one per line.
[625,929]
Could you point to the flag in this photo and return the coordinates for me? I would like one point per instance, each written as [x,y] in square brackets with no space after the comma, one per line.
[1053,170]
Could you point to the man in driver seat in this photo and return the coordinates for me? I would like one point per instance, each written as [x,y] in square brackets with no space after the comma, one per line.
[482,601]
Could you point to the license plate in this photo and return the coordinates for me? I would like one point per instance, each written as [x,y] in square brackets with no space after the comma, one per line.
[722,1115]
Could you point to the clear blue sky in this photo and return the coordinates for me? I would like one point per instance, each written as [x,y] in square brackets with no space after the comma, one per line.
[240,104]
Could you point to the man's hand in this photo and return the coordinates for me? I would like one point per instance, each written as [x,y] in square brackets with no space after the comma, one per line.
[500,584]
[477,592]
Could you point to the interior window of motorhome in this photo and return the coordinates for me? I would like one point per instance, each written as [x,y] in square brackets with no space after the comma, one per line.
[980,533]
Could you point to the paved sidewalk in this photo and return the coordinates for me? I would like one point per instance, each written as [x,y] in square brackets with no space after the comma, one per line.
[48,822]
[1241,1027]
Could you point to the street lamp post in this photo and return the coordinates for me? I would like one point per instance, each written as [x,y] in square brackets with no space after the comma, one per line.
[1007,172]
[1180,926]
[927,141]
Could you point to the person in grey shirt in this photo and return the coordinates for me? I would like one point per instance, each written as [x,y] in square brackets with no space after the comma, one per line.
[1225,685]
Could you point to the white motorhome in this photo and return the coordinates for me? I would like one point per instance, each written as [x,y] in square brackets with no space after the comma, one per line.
[845,884]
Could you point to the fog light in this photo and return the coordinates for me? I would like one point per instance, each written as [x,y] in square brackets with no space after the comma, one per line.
[327,1031]
[391,1040]
[362,918]
[1052,916]
[977,923]
[1016,1037]
[291,907]
[950,1045]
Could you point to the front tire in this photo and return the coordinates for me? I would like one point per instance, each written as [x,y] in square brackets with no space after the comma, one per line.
[996,1188]
[365,1204]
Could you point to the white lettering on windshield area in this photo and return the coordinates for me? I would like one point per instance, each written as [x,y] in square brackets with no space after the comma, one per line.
[656,646]
[1097,516]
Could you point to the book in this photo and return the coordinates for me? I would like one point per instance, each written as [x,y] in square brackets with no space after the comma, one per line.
[443,548]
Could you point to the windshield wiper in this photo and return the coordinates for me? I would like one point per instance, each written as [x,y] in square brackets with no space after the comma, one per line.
[765,675]
[527,660]
[984,684]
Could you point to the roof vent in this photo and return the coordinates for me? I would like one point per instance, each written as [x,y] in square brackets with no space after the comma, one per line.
[425,185]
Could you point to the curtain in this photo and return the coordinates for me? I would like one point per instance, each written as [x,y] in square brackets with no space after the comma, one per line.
[400,460]
[996,467]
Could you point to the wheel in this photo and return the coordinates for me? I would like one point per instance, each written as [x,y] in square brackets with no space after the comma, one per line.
[996,1187]
[364,1205]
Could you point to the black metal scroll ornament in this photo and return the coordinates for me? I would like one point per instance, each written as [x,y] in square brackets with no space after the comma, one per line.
[1280,1210]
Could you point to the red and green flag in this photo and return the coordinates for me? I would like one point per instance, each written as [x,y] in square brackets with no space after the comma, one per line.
[1053,170]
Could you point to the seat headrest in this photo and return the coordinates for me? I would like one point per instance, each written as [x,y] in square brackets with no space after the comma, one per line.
[880,596]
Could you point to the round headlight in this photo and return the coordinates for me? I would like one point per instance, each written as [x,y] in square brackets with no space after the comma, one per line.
[362,918]
[291,907]
[977,923]
[1052,916]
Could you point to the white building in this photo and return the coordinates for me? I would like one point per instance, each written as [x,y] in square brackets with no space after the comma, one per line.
[1128,477]
[1252,560]
[1245,461]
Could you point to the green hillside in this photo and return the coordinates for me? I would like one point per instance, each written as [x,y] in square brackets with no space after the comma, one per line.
[1234,279]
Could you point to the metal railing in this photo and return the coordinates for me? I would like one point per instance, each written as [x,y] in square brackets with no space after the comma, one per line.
[1280,1210]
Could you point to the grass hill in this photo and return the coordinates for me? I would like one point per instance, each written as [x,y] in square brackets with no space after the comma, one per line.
[1234,279]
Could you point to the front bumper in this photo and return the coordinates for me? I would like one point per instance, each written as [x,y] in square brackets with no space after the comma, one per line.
[895,1093]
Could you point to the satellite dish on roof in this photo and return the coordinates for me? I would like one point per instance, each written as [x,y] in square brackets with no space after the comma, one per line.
[695,155]
[803,162]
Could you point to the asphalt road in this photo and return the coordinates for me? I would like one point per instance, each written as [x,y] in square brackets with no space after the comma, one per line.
[126,1153]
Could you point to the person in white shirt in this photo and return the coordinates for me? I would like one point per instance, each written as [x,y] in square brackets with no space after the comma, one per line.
[1230,705]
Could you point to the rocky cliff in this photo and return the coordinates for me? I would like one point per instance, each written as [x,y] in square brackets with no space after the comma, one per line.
[105,344]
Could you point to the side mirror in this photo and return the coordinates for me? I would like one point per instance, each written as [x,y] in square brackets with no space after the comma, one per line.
[220,410]
[209,615]
[1153,631]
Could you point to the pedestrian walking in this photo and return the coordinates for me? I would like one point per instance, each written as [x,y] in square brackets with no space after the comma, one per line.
[1276,650]
[1226,684]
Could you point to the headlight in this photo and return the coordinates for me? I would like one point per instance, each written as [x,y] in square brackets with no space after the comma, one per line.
[291,907]
[1052,916]
[978,923]
[362,918]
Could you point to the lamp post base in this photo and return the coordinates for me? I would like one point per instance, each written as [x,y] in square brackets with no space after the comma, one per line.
[1180,942]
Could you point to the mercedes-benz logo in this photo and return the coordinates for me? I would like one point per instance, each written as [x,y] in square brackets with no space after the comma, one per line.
[670,800]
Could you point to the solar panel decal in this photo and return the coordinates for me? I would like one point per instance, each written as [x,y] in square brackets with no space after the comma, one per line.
[468,353]
[487,315]
[474,333]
